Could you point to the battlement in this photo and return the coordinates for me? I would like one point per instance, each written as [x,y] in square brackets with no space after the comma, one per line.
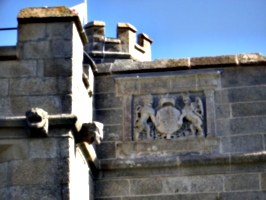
[127,45]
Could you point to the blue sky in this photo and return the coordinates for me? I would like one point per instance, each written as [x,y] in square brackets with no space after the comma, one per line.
[179,28]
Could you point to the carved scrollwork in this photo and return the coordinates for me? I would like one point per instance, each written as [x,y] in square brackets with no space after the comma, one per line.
[166,120]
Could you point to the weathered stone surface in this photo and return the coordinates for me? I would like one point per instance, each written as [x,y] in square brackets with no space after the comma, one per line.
[250,125]
[146,186]
[243,94]
[104,84]
[258,195]
[60,30]
[193,184]
[3,174]
[243,76]
[111,188]
[14,149]
[112,133]
[4,87]
[37,171]
[222,111]
[51,192]
[241,182]
[248,109]
[31,32]
[239,126]
[106,150]
[44,148]
[215,60]
[242,144]
[8,53]
[24,68]
[57,67]
[149,85]
[20,104]
[198,196]
[244,59]
[263,180]
[58,12]
[167,83]
[104,101]
[39,86]
[109,117]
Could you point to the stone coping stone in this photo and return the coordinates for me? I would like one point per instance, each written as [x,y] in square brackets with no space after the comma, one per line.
[114,55]
[63,120]
[122,66]
[126,26]
[94,23]
[8,53]
[183,161]
[145,36]
[51,15]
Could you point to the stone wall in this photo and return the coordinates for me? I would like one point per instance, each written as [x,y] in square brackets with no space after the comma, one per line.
[228,162]
[45,70]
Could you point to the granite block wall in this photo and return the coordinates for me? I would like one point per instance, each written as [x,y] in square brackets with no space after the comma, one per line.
[229,163]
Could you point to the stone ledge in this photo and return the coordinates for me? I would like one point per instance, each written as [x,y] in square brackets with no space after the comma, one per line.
[158,148]
[8,53]
[64,120]
[130,66]
[183,161]
[52,15]
[113,55]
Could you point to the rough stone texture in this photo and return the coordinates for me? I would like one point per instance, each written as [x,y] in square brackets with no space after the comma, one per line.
[249,109]
[8,53]
[24,68]
[106,150]
[193,184]
[50,191]
[104,84]
[258,195]
[3,174]
[263,180]
[4,87]
[243,94]
[44,148]
[199,196]
[238,126]
[247,76]
[14,149]
[57,67]
[105,101]
[20,104]
[39,86]
[112,133]
[109,117]
[242,182]
[24,172]
[146,186]
[216,60]
[111,188]
[223,111]
[242,144]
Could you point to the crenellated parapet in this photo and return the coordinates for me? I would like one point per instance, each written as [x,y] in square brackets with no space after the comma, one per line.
[126,45]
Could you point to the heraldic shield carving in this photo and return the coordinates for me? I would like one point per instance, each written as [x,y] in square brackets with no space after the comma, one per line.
[160,118]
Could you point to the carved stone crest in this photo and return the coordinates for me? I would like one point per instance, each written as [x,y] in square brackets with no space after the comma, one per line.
[160,117]
[167,117]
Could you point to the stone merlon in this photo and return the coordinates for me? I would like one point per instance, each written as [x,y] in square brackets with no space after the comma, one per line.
[126,46]
[51,14]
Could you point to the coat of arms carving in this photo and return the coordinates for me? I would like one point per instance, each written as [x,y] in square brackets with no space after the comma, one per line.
[166,120]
